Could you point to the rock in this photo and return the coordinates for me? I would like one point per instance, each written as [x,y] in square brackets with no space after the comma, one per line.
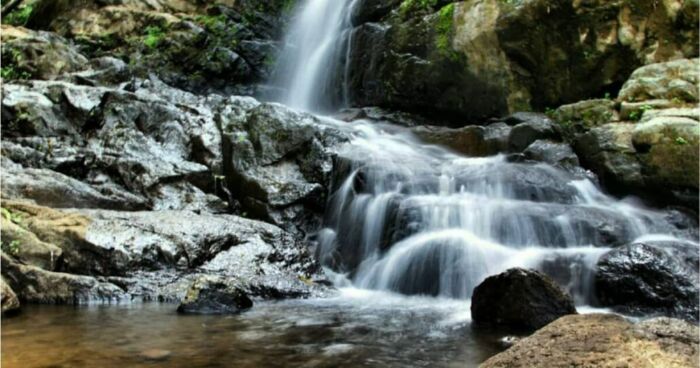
[650,277]
[671,80]
[156,354]
[604,340]
[34,285]
[9,301]
[153,254]
[473,60]
[279,161]
[553,153]
[519,299]
[528,128]
[42,55]
[214,296]
[667,143]
[470,140]
[25,246]
[580,117]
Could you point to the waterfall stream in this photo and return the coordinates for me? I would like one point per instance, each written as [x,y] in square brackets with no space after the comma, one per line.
[414,218]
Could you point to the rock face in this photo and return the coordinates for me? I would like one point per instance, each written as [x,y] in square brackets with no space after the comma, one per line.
[151,255]
[214,296]
[196,46]
[601,340]
[475,59]
[8,299]
[646,143]
[519,299]
[652,277]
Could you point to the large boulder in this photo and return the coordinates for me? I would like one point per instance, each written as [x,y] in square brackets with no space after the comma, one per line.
[519,299]
[604,340]
[650,277]
[475,59]
[279,161]
[209,295]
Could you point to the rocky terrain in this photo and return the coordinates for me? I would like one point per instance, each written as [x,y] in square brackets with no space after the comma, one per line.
[141,161]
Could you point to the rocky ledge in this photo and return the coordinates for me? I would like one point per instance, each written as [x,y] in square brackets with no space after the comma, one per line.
[604,340]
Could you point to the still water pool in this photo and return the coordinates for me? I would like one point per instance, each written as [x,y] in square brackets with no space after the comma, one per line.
[358,328]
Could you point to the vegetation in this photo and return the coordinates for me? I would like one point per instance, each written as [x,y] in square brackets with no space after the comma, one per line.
[20,16]
[154,35]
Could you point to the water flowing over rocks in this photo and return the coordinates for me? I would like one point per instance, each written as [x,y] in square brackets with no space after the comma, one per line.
[519,299]
[603,340]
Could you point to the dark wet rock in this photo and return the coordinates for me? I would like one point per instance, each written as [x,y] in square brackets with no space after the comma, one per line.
[651,277]
[8,298]
[155,147]
[528,128]
[469,60]
[35,285]
[156,254]
[470,140]
[278,161]
[519,299]
[604,340]
[209,295]
[50,188]
[553,153]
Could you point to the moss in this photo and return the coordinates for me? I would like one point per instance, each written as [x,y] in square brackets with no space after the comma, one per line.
[445,31]
[154,35]
[20,16]
[409,6]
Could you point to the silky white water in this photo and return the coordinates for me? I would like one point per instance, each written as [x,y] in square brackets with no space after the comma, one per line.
[414,218]
[314,47]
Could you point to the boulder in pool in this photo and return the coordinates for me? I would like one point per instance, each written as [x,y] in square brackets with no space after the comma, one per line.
[214,295]
[519,299]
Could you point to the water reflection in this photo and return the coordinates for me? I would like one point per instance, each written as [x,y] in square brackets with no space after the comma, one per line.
[358,328]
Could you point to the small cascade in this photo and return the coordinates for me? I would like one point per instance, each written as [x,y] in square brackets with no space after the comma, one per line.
[414,218]
[313,55]
[419,219]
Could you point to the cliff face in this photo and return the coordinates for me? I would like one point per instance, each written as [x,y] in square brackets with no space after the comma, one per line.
[471,60]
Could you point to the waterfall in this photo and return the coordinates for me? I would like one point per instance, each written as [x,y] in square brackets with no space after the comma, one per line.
[420,219]
[312,56]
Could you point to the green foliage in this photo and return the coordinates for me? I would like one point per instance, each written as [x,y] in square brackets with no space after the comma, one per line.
[10,216]
[408,6]
[10,73]
[20,16]
[444,27]
[550,112]
[154,35]
[636,115]
[681,141]
[11,247]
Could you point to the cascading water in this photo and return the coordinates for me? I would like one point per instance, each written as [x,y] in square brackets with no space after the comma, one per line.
[419,219]
[311,58]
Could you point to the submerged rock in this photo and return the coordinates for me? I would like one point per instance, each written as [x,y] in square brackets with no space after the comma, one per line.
[209,295]
[604,340]
[519,299]
[651,277]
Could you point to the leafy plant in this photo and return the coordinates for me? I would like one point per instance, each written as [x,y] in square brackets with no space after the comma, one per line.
[11,216]
[681,141]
